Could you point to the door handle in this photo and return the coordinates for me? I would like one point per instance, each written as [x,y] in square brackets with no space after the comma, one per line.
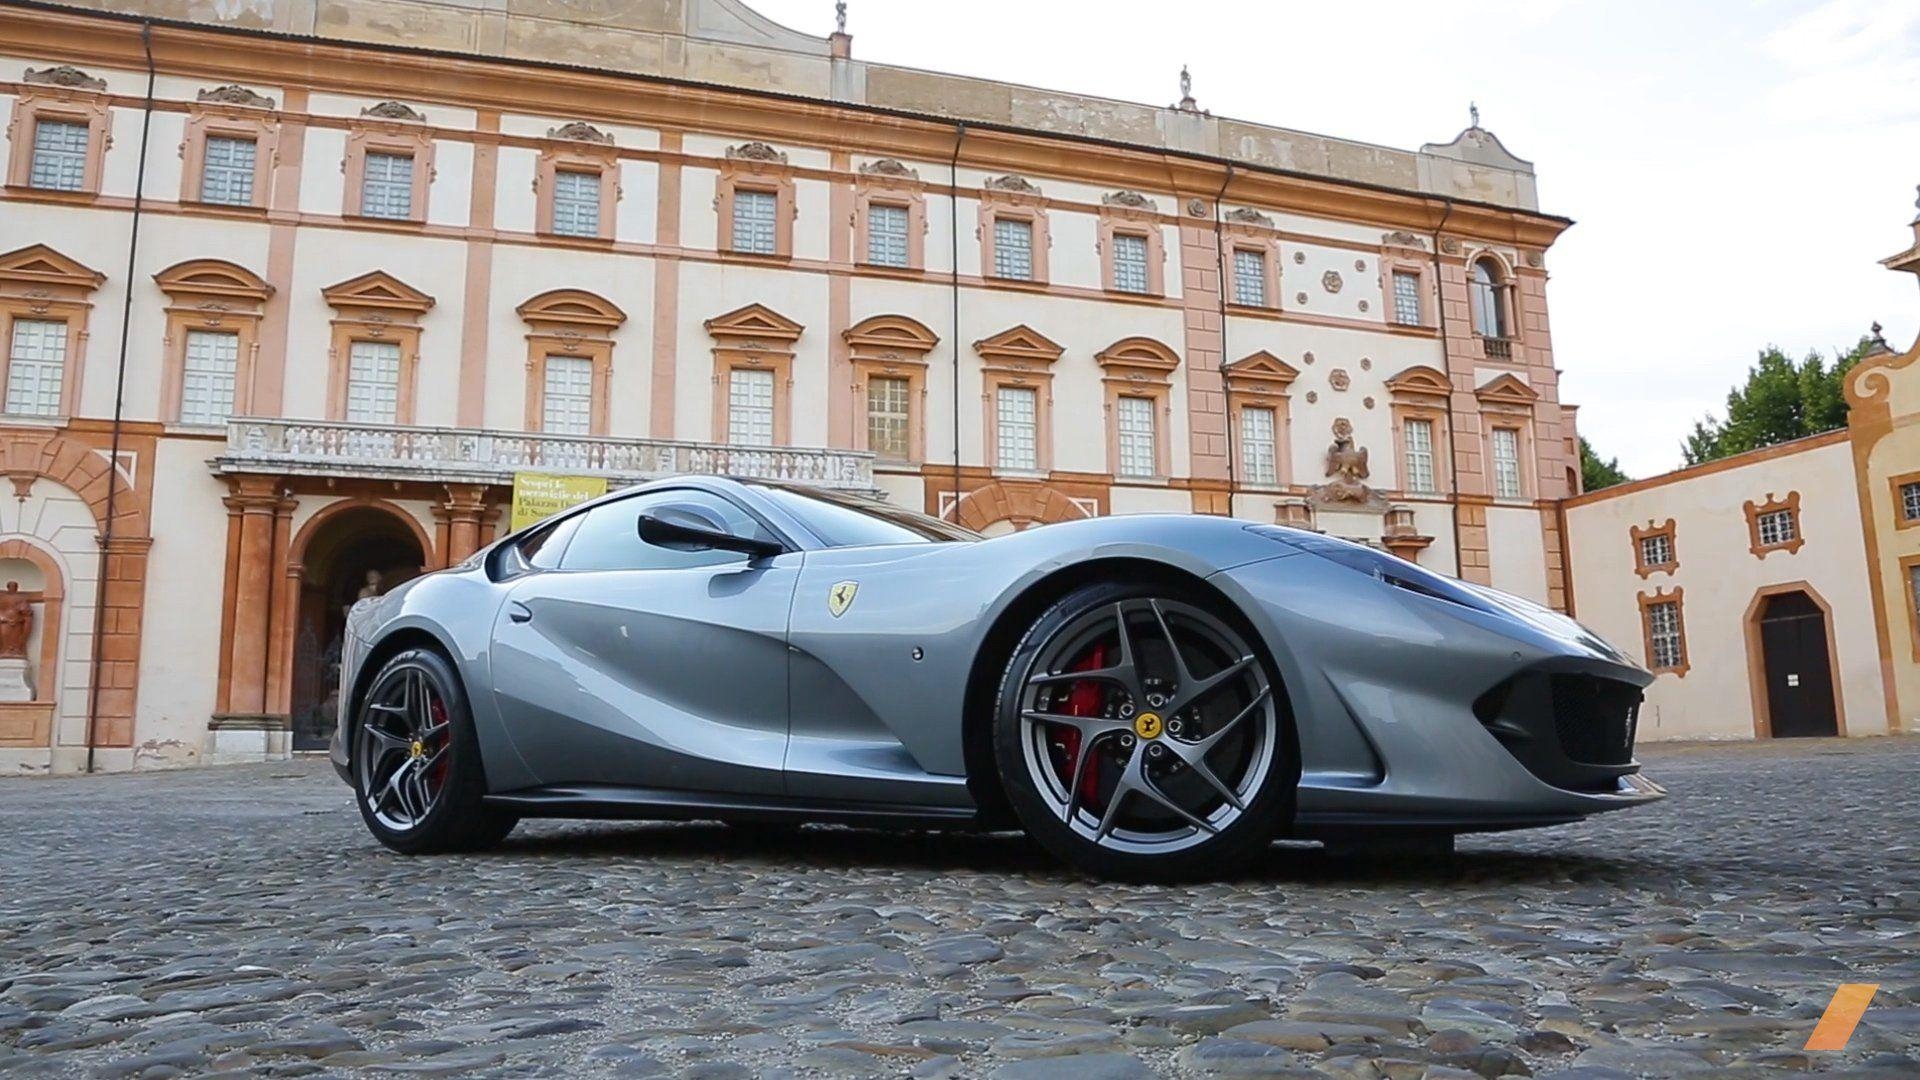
[519,612]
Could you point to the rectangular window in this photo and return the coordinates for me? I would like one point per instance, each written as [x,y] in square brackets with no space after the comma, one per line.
[1506,463]
[750,407]
[1258,457]
[206,384]
[887,418]
[1664,636]
[1249,277]
[1913,588]
[386,186]
[1130,263]
[1910,501]
[1013,249]
[59,155]
[755,219]
[1406,298]
[1135,418]
[567,398]
[36,367]
[373,382]
[1777,527]
[226,175]
[886,235]
[1656,550]
[576,204]
[1418,436]
[1016,426]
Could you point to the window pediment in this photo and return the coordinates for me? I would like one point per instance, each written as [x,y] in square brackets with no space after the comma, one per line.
[378,290]
[891,337]
[212,279]
[1140,354]
[1509,391]
[572,307]
[1263,368]
[1420,381]
[1021,346]
[754,323]
[40,265]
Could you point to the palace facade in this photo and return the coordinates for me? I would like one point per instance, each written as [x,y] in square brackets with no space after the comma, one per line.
[292,291]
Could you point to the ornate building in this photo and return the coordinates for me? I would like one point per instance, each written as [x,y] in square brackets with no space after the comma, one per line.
[288,309]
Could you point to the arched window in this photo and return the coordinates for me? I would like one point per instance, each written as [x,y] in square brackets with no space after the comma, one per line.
[1489,300]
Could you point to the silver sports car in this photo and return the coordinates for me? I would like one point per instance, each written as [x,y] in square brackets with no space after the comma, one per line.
[1148,697]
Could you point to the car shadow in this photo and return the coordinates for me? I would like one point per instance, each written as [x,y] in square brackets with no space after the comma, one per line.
[1011,853]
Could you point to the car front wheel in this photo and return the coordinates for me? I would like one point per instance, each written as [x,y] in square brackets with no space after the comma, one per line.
[416,761]
[1140,736]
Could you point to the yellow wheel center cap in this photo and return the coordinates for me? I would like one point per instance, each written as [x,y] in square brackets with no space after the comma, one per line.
[419,748]
[1147,725]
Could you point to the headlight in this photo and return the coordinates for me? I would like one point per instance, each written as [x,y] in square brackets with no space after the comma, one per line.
[1391,569]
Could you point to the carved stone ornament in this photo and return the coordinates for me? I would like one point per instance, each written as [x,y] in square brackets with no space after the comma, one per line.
[16,622]
[1401,238]
[1450,246]
[1347,472]
[1536,259]
[1360,265]
[580,131]
[1367,401]
[1247,215]
[1196,207]
[1313,397]
[393,110]
[1300,298]
[1131,200]
[1018,184]
[233,94]
[1366,363]
[1339,379]
[1365,307]
[756,151]
[1332,281]
[889,167]
[1309,357]
[1299,258]
[64,75]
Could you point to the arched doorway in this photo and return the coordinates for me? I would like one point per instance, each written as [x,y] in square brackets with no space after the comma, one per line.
[1790,642]
[341,554]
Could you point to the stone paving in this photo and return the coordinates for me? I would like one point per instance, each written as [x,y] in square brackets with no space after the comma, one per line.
[241,921]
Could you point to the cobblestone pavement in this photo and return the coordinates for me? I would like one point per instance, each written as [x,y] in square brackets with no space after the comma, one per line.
[241,920]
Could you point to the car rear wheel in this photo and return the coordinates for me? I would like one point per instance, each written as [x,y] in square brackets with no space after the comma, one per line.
[416,761]
[1140,736]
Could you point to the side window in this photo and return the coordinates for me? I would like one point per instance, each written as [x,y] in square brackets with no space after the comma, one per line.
[608,538]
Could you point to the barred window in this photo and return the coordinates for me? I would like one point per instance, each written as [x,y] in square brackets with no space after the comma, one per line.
[1506,463]
[1418,437]
[750,407]
[1130,263]
[226,175]
[886,234]
[1135,418]
[36,367]
[755,222]
[1665,637]
[59,155]
[1013,249]
[386,186]
[1406,298]
[1777,527]
[1016,425]
[1913,588]
[373,382]
[1656,550]
[887,417]
[567,397]
[1249,277]
[1910,501]
[576,203]
[206,385]
[1258,457]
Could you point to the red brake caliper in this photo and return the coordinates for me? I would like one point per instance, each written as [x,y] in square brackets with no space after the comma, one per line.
[1083,699]
[439,713]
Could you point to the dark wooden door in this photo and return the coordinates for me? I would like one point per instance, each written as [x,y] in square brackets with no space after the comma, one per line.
[1799,670]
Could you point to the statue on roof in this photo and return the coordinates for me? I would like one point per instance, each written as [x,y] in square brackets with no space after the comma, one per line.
[840,17]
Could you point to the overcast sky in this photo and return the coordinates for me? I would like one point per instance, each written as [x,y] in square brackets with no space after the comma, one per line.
[1736,168]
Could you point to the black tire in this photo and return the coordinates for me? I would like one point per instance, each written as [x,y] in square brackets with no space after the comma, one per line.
[457,818]
[1267,805]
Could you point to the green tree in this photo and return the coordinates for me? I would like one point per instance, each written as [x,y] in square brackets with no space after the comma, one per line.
[1781,400]
[1595,473]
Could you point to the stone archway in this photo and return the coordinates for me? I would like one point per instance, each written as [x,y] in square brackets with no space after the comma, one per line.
[1013,505]
[345,549]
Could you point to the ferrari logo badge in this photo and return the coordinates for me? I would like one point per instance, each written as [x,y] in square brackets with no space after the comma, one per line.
[1147,725]
[418,749]
[840,597]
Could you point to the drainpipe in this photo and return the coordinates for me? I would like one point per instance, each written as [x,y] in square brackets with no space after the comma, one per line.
[119,404]
[1453,427]
[1226,387]
[953,262]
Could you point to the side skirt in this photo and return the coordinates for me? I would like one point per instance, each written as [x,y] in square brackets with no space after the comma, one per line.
[654,804]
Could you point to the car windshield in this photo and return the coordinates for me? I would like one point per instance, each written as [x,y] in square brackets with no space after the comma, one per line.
[843,520]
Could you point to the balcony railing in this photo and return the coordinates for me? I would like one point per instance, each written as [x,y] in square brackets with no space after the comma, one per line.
[1498,348]
[474,455]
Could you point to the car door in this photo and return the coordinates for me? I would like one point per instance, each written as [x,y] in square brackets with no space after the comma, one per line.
[638,665]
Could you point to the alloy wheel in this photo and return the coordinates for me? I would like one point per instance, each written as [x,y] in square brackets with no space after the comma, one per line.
[403,757]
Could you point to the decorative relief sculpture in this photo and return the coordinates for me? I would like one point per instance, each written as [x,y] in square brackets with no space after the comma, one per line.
[233,94]
[1246,215]
[1332,281]
[394,110]
[16,629]
[756,151]
[1197,207]
[1017,184]
[64,75]
[1347,471]
[1401,238]
[889,167]
[1132,200]
[580,131]
[1339,379]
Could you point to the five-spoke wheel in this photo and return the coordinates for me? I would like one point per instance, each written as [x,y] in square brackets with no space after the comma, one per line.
[1139,735]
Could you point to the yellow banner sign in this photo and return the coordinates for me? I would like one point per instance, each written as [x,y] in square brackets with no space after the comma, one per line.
[538,496]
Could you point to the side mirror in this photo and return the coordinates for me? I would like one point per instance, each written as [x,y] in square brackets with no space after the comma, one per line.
[689,532]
